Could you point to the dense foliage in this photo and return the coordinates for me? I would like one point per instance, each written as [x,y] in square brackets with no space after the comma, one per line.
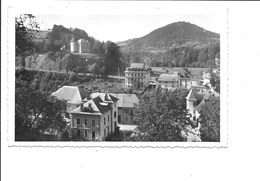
[175,57]
[25,29]
[35,111]
[210,120]
[161,116]
[178,44]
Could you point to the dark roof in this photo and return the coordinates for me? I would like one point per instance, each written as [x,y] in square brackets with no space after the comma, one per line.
[199,97]
[84,93]
[97,100]
[114,99]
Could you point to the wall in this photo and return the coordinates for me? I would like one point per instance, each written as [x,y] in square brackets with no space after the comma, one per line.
[126,118]
[89,119]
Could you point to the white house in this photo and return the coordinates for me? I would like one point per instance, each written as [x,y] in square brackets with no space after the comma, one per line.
[95,119]
[80,46]
[169,81]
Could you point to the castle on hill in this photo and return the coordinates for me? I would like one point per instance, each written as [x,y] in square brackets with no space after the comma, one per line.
[80,46]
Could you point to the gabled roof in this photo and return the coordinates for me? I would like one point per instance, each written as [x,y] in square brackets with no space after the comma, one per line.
[93,107]
[72,94]
[102,108]
[191,96]
[126,100]
[105,97]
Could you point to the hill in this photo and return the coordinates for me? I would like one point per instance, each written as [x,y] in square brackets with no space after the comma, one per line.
[51,51]
[176,44]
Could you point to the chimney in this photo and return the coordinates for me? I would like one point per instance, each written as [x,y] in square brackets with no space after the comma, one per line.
[81,107]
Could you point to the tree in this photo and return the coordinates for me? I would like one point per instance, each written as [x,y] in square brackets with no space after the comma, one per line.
[161,116]
[112,57]
[36,113]
[94,69]
[210,120]
[98,47]
[215,82]
[25,29]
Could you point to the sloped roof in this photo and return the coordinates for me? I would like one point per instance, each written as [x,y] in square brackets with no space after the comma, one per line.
[126,100]
[72,94]
[72,39]
[94,107]
[168,77]
[106,97]
[102,108]
[137,65]
[191,96]
[82,40]
[199,97]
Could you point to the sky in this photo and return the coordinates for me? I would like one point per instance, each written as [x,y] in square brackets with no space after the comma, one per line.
[119,21]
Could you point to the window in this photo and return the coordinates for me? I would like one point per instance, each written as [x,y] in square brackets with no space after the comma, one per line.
[93,122]
[104,121]
[93,135]
[86,122]
[105,132]
[119,118]
[114,114]
[108,118]
[78,133]
[78,121]
[131,112]
[86,133]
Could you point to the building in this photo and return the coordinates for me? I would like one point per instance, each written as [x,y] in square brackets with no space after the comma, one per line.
[73,95]
[195,101]
[80,46]
[126,103]
[137,76]
[169,81]
[95,119]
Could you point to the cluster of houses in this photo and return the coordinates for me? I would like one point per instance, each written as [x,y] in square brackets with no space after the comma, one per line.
[139,76]
[92,116]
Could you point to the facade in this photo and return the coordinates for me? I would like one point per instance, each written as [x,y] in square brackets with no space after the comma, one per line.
[126,103]
[95,119]
[169,81]
[80,46]
[137,76]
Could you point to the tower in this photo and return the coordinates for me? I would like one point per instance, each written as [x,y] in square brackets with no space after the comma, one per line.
[73,46]
[190,102]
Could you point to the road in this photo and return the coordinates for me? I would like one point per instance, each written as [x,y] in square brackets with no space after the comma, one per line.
[81,74]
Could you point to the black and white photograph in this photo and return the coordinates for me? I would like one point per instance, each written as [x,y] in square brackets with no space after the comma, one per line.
[117,77]
[129,90]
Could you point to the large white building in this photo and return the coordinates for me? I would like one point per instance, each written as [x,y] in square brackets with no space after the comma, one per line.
[80,46]
[137,76]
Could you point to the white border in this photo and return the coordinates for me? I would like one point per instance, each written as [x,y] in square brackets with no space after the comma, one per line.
[109,8]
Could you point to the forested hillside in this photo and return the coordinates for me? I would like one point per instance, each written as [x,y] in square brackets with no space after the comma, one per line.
[178,44]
